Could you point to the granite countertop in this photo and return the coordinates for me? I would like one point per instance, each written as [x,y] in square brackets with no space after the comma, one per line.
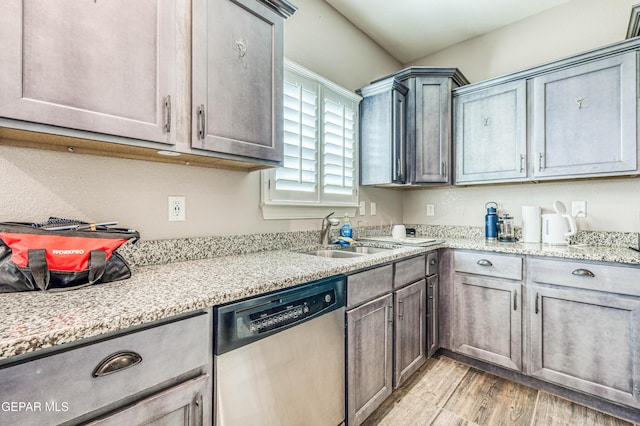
[37,320]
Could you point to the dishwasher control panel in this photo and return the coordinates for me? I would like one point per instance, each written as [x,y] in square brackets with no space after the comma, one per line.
[271,318]
[244,322]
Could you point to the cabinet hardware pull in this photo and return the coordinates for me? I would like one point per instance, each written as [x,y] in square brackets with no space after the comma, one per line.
[400,309]
[389,309]
[485,121]
[515,300]
[201,128]
[583,273]
[537,303]
[579,101]
[521,163]
[443,169]
[540,158]
[117,362]
[167,105]
[199,404]
[432,262]
[484,262]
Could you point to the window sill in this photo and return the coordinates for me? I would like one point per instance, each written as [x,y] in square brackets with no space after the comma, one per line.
[289,211]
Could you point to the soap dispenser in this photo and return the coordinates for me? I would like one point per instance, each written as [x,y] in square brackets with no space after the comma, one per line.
[345,227]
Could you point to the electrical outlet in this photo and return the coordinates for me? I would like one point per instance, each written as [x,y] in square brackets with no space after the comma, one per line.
[177,209]
[431,210]
[579,208]
[373,208]
[363,209]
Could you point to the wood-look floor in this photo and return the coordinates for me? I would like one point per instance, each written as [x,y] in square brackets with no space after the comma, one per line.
[445,392]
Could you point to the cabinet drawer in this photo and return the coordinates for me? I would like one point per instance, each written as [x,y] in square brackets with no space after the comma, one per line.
[492,265]
[591,276]
[408,271]
[62,386]
[432,263]
[366,285]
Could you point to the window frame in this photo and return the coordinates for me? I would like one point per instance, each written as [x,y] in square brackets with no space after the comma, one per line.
[291,207]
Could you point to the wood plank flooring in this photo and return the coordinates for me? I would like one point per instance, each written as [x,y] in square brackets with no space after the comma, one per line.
[445,392]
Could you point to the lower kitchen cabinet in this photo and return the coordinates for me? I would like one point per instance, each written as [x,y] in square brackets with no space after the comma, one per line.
[583,338]
[410,330]
[487,321]
[154,375]
[369,357]
[386,332]
[433,315]
[180,405]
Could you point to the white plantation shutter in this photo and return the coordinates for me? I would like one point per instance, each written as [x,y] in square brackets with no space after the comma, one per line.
[297,179]
[320,139]
[339,147]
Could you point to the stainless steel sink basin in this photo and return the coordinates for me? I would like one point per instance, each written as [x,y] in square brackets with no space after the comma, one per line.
[333,253]
[365,249]
[344,252]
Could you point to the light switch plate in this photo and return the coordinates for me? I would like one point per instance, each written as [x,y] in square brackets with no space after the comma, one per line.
[363,209]
[373,208]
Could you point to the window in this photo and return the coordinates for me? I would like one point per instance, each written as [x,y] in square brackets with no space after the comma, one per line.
[320,155]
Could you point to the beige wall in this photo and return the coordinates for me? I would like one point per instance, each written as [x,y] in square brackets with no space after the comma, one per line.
[612,204]
[565,30]
[37,184]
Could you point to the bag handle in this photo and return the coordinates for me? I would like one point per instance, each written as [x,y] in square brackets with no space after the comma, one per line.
[37,259]
[97,265]
[40,269]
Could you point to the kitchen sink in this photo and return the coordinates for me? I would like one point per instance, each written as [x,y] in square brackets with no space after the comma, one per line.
[333,253]
[345,252]
[365,249]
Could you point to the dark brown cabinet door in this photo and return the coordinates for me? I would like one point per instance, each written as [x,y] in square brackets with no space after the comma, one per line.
[586,340]
[237,53]
[369,357]
[488,320]
[100,66]
[410,330]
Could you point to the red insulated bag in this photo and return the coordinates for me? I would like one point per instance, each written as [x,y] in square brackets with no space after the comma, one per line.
[33,257]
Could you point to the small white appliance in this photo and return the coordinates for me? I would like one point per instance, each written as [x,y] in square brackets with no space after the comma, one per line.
[558,227]
[531,224]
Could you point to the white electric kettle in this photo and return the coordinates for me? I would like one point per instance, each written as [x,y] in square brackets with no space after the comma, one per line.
[557,227]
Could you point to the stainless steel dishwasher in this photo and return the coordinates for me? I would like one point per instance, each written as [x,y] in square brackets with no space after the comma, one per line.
[279,358]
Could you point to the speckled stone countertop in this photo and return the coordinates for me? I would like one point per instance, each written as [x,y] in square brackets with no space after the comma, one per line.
[38,320]
[35,320]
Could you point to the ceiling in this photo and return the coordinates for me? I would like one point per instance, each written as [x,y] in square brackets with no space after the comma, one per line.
[412,29]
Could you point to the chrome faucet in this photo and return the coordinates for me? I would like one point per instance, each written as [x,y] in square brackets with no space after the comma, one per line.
[327,223]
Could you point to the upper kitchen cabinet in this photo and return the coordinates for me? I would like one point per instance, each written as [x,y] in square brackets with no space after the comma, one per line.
[100,66]
[491,133]
[405,121]
[429,121]
[383,157]
[237,77]
[569,119]
[584,118]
